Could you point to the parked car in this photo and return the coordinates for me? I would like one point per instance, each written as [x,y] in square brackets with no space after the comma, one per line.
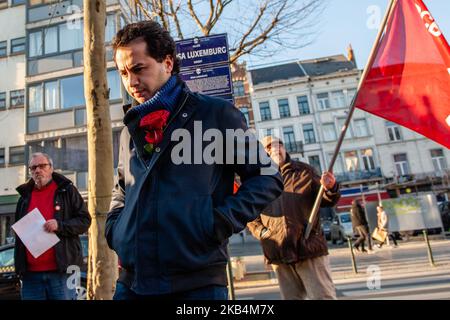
[326,227]
[341,228]
[9,281]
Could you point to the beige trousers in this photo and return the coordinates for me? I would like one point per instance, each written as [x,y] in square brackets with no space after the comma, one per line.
[309,279]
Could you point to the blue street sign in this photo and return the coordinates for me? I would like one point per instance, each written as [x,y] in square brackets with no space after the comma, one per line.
[212,80]
[204,65]
[203,51]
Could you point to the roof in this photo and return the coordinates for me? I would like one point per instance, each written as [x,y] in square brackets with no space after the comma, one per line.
[312,67]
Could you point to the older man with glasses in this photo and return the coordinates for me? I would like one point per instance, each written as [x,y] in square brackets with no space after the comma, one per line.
[45,277]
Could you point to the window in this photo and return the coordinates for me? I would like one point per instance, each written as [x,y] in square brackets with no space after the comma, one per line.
[110,30]
[393,131]
[340,124]
[308,133]
[18,45]
[3,51]
[438,158]
[51,40]
[314,161]
[337,168]
[264,108]
[2,157]
[350,94]
[289,139]
[329,132]
[2,100]
[35,98]
[303,105]
[283,105]
[17,2]
[401,164]
[323,101]
[351,161]
[244,110]
[51,95]
[367,159]
[360,128]
[115,91]
[17,155]
[267,132]
[17,98]
[72,92]
[338,99]
[70,36]
[238,88]
[35,44]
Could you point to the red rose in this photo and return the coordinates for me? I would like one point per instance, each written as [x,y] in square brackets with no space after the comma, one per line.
[153,125]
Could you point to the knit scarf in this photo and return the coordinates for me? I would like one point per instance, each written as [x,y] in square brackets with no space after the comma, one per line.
[165,98]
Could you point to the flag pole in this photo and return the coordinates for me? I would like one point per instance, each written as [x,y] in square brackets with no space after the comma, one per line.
[370,61]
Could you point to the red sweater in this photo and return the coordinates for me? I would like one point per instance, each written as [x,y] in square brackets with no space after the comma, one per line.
[43,199]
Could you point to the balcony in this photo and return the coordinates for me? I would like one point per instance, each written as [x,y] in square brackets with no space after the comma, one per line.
[294,147]
[359,175]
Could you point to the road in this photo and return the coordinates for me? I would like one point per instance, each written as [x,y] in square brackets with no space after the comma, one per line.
[435,286]
[391,273]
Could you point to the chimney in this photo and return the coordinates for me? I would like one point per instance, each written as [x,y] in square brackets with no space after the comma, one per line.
[351,55]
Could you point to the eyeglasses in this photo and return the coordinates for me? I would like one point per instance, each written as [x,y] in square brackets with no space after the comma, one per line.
[40,166]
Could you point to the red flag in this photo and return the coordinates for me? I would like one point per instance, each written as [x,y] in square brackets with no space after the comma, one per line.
[409,80]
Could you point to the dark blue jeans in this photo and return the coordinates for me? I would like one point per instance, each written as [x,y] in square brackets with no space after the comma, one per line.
[205,293]
[46,286]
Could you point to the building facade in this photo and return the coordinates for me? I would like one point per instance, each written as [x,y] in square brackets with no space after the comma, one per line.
[242,91]
[306,103]
[12,116]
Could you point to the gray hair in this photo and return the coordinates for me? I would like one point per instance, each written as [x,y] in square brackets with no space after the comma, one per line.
[41,154]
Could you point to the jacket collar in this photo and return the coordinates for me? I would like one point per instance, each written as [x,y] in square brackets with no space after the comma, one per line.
[178,119]
[60,180]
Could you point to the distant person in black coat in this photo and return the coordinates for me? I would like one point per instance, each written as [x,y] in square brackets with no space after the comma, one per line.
[361,226]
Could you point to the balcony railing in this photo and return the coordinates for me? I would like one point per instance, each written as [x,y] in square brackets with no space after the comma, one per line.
[359,175]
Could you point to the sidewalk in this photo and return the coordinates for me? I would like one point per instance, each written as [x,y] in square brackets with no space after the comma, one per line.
[259,274]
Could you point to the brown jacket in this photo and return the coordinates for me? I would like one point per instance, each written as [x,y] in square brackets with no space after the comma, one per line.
[287,216]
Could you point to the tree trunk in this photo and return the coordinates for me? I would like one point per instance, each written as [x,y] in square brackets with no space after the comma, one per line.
[102,266]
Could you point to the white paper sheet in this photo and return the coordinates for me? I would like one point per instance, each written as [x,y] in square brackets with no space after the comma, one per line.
[30,230]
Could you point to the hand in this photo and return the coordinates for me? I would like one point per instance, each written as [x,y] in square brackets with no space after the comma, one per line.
[328,180]
[51,226]
[265,233]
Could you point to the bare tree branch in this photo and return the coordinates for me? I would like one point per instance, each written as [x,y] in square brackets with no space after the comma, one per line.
[275,24]
[174,16]
[194,15]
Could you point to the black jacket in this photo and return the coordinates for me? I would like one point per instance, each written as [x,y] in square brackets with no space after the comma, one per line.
[73,219]
[285,218]
[358,216]
[169,223]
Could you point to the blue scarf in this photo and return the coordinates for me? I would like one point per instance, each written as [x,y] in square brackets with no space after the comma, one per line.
[165,98]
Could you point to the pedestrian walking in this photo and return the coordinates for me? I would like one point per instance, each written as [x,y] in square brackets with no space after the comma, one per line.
[361,227]
[383,224]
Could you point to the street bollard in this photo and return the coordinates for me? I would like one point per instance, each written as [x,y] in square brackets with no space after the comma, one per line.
[430,253]
[349,240]
[230,281]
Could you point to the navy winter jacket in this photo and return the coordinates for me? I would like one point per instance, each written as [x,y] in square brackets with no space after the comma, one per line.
[170,223]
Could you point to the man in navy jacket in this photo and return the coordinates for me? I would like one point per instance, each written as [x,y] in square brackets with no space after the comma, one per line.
[173,207]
